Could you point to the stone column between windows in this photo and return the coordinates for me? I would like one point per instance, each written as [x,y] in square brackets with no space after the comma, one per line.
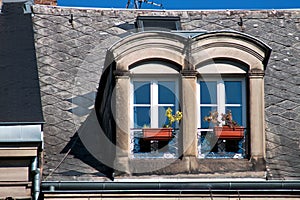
[189,124]
[122,116]
[257,135]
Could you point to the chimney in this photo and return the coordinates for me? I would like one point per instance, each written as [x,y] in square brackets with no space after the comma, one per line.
[46,2]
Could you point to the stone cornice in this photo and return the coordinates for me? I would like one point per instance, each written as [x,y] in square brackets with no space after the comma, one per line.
[189,73]
[121,73]
[256,73]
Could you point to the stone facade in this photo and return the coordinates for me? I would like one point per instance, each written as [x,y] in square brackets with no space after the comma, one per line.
[71,45]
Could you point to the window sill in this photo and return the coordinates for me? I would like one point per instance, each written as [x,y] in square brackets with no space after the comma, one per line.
[204,168]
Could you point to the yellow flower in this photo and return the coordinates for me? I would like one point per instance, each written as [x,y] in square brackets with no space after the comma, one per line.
[172,118]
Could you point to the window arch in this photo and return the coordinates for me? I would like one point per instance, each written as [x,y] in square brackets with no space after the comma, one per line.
[253,55]
[154,66]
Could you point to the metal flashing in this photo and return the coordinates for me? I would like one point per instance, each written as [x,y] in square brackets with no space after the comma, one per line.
[21,133]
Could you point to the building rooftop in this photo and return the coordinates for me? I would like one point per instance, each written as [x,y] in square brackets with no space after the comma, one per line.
[71,53]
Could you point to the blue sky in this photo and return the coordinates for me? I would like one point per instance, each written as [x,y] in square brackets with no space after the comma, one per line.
[188,4]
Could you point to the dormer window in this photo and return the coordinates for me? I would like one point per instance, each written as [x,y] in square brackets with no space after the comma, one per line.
[213,71]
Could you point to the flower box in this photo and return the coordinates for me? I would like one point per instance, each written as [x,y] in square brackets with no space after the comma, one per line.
[226,132]
[160,134]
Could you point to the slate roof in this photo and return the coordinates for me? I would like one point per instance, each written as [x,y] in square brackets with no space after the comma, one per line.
[20,101]
[70,55]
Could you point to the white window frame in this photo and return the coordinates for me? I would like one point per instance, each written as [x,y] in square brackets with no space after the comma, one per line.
[221,106]
[153,97]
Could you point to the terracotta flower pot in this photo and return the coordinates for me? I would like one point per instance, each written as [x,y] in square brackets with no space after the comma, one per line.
[160,134]
[226,132]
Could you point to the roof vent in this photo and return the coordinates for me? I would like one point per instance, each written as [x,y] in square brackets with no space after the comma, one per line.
[160,23]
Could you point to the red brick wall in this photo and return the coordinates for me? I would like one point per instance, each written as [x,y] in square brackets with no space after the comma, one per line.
[46,2]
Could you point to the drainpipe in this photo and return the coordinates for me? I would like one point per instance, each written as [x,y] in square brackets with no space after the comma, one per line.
[35,171]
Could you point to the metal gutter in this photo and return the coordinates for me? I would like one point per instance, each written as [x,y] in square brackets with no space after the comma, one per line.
[290,187]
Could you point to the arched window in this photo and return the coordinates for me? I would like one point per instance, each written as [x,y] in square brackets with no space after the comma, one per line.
[154,89]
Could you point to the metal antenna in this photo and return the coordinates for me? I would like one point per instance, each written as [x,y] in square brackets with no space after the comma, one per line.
[138,3]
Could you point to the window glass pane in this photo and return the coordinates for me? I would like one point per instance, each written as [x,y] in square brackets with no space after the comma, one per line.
[233,92]
[163,120]
[141,92]
[166,92]
[236,114]
[208,91]
[205,111]
[141,117]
